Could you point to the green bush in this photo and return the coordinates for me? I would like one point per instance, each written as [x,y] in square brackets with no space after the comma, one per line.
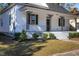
[52,36]
[74,35]
[23,36]
[45,35]
[35,35]
[17,36]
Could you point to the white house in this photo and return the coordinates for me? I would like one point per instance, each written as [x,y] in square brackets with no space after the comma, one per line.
[36,17]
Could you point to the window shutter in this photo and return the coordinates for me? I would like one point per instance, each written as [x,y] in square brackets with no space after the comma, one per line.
[63,22]
[28,18]
[37,19]
[59,22]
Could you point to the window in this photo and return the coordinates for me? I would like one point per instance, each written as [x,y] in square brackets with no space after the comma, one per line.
[61,21]
[33,19]
[14,26]
[1,22]
[10,19]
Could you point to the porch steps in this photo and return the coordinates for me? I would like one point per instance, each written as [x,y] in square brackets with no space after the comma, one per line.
[61,35]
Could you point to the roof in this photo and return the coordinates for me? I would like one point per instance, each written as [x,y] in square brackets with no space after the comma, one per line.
[57,8]
[33,5]
[51,6]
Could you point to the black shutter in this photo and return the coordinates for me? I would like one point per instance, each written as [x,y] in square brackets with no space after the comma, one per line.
[37,19]
[59,22]
[63,22]
[28,18]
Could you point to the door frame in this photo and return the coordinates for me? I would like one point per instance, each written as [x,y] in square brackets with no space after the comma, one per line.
[48,22]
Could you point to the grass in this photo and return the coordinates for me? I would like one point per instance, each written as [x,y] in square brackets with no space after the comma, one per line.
[55,46]
[35,48]
[75,39]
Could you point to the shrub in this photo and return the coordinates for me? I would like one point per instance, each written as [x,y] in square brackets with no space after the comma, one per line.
[45,35]
[23,36]
[17,36]
[35,35]
[52,36]
[71,28]
[74,35]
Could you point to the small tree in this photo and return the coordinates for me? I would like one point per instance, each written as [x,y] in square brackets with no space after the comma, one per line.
[23,36]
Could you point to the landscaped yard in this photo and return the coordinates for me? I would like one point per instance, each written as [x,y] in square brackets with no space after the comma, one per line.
[56,46]
[35,48]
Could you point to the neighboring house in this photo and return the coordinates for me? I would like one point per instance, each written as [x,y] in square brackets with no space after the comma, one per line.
[35,18]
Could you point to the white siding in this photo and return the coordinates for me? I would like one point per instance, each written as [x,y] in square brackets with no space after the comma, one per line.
[42,14]
[5,27]
[19,17]
[20,20]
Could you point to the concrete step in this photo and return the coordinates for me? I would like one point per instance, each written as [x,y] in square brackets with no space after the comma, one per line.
[61,35]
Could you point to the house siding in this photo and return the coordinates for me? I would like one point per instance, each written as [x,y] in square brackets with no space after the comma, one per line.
[42,14]
[19,17]
[20,20]
[5,27]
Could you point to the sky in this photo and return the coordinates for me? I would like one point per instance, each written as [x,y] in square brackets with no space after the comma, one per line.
[77,5]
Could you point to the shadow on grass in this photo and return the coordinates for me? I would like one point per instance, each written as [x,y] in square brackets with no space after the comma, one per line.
[20,49]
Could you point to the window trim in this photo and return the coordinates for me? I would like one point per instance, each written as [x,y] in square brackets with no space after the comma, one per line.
[36,16]
[61,21]
[32,15]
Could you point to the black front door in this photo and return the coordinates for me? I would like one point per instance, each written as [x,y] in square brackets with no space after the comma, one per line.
[48,24]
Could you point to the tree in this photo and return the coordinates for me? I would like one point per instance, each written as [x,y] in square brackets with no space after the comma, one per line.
[74,11]
[4,5]
[68,6]
[1,6]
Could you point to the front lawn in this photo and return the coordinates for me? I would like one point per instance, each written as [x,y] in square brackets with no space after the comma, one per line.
[75,39]
[35,48]
[56,46]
